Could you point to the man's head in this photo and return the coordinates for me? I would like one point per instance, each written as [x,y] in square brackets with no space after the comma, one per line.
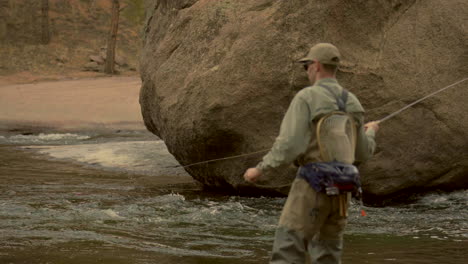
[321,62]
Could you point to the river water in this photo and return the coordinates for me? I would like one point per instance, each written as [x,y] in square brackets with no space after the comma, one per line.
[111,198]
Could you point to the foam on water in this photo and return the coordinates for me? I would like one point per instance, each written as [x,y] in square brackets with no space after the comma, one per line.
[170,223]
[181,225]
[432,216]
[116,215]
[142,157]
[440,215]
[44,139]
[41,138]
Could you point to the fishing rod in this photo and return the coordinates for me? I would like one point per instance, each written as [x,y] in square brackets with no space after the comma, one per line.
[378,121]
[419,100]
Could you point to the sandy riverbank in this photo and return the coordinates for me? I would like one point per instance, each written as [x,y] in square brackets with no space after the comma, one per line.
[95,104]
[79,104]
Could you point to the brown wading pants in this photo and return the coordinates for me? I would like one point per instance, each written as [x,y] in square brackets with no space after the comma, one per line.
[310,223]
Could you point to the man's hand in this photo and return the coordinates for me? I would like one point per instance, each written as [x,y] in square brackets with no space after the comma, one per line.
[372,125]
[252,174]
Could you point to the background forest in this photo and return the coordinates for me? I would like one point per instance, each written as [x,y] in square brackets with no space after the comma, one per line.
[77,31]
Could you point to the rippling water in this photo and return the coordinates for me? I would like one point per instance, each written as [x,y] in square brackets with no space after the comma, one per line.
[84,198]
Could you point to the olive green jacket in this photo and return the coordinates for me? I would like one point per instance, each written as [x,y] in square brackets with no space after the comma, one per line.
[297,141]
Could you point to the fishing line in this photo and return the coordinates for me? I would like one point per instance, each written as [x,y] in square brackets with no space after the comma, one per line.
[417,101]
[378,121]
[226,158]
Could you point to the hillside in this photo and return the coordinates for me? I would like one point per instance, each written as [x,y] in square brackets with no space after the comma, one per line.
[78,30]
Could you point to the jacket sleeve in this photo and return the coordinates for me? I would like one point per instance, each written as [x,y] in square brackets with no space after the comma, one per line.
[293,137]
[365,144]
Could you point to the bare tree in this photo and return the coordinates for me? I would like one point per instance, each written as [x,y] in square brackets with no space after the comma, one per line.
[4,18]
[112,38]
[45,22]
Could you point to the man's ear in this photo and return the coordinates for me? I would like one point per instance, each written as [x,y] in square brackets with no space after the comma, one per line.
[319,66]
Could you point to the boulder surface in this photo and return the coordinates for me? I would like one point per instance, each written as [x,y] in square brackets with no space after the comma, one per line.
[218,76]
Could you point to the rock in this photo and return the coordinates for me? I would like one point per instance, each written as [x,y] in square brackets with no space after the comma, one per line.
[103,52]
[61,59]
[97,58]
[121,61]
[218,77]
[92,66]
[101,58]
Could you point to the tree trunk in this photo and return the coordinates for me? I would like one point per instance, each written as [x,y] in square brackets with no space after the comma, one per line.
[45,22]
[110,56]
[4,6]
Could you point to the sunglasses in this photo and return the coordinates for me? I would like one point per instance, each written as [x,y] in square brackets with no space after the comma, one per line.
[307,63]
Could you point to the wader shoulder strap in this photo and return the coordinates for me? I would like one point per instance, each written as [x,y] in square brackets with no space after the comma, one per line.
[341,101]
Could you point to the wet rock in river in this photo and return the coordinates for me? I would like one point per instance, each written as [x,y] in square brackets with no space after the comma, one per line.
[218,77]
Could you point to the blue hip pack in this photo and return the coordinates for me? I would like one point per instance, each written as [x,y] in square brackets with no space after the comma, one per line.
[332,178]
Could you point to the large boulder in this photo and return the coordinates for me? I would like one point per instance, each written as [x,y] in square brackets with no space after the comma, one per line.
[218,76]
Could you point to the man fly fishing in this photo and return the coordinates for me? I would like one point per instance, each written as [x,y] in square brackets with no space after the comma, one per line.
[323,131]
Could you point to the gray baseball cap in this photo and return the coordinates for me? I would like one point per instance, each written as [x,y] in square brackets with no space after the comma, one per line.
[324,53]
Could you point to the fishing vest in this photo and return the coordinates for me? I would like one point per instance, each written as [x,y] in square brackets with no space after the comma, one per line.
[336,139]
